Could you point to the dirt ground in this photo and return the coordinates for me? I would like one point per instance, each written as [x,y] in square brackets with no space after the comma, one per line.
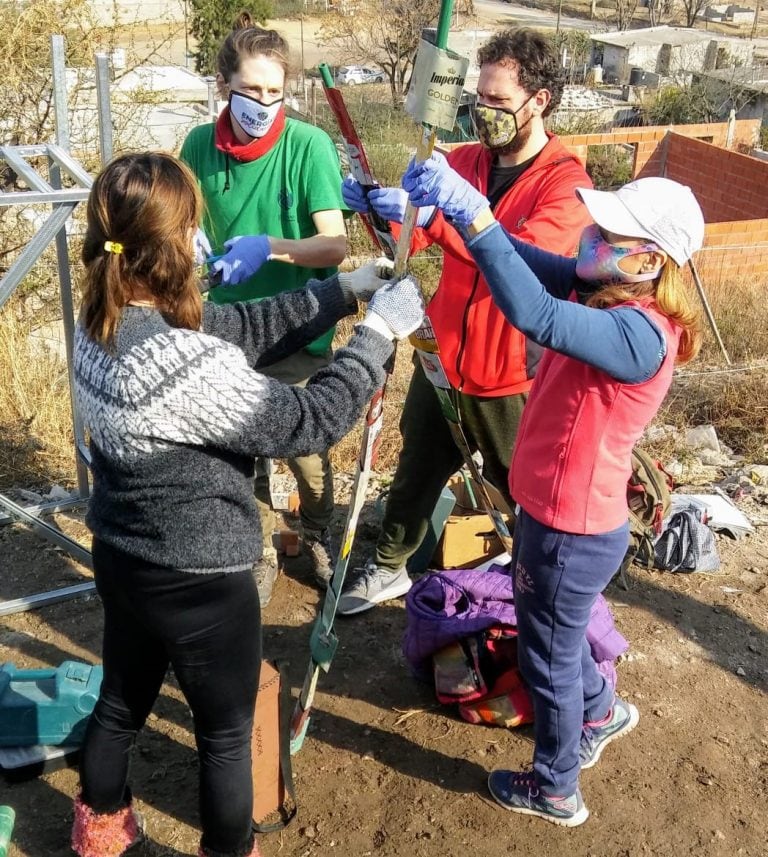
[385,771]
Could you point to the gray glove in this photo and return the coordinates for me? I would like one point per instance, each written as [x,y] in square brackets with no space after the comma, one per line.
[396,310]
[363,283]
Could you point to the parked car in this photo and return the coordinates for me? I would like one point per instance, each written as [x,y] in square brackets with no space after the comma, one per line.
[352,74]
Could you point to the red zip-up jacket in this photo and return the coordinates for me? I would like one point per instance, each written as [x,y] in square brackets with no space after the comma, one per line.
[483,355]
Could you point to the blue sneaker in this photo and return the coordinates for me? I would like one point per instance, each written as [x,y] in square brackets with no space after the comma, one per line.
[518,792]
[622,718]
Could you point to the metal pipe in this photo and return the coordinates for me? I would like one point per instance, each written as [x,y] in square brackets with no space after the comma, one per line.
[53,596]
[60,107]
[106,146]
[34,197]
[25,261]
[49,533]
[708,311]
[49,508]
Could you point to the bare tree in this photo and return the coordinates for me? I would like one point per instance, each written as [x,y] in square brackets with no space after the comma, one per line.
[623,12]
[692,9]
[382,33]
[660,12]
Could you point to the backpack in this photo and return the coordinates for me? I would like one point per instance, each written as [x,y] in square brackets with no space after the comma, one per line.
[648,501]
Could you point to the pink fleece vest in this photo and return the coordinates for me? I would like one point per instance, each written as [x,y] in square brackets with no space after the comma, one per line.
[572,458]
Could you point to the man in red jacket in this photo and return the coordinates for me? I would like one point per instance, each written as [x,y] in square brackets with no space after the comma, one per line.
[530,180]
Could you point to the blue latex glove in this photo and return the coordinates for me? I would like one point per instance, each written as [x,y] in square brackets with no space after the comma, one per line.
[354,196]
[434,182]
[245,255]
[389,202]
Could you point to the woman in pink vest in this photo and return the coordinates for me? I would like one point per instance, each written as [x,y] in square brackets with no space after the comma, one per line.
[615,320]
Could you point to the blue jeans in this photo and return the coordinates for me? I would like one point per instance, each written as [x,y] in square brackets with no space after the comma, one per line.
[557,578]
[207,627]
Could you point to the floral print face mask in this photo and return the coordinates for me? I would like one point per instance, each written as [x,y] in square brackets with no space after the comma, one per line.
[598,261]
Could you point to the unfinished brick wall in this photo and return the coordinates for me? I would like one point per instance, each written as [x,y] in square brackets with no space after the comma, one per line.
[731,187]
[728,185]
[648,142]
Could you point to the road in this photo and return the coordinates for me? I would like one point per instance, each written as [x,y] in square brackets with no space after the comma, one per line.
[495,11]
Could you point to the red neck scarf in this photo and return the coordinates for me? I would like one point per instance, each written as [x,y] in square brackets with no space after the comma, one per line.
[226,141]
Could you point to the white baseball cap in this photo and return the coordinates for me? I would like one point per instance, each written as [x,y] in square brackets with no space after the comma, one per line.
[660,210]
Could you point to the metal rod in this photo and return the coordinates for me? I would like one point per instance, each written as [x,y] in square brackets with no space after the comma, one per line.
[25,261]
[106,146]
[34,197]
[70,166]
[708,311]
[46,531]
[33,180]
[39,509]
[53,596]
[60,108]
[68,320]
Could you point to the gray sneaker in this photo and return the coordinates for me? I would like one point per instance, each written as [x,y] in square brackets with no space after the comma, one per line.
[370,586]
[595,737]
[316,544]
[266,571]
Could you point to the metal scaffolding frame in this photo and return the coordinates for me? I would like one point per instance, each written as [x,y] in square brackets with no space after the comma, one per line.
[67,184]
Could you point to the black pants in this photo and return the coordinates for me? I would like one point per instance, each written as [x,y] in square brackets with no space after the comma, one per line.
[208,628]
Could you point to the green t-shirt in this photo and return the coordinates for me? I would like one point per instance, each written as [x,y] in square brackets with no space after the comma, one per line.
[276,194]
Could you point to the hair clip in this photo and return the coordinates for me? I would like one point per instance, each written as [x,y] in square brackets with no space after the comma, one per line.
[113,247]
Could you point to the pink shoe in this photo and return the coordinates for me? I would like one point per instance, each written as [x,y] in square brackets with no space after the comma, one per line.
[105,834]
[254,852]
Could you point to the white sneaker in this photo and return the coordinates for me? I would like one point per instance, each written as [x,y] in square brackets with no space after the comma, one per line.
[370,587]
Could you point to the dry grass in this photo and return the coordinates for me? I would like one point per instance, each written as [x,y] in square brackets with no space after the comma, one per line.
[36,436]
[36,445]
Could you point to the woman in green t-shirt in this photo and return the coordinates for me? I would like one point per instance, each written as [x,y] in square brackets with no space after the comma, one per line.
[272,191]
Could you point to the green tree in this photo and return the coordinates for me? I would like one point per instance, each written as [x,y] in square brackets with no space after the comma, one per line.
[211,20]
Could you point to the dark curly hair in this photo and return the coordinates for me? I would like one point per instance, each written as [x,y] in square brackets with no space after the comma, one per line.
[538,66]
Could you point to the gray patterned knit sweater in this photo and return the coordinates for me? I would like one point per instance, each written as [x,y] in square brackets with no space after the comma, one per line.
[177,416]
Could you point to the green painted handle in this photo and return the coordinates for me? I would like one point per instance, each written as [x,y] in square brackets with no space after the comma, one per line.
[325,72]
[7,819]
[444,23]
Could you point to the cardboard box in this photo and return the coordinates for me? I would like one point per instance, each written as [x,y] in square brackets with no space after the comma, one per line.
[468,538]
[268,785]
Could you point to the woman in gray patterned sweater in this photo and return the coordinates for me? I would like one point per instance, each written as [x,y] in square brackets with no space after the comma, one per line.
[177,411]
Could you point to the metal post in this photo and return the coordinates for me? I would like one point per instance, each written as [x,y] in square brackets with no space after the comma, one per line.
[211,82]
[301,29]
[708,311]
[106,146]
[62,249]
[60,108]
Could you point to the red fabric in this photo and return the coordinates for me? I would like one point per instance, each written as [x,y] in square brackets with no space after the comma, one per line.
[572,457]
[482,353]
[227,142]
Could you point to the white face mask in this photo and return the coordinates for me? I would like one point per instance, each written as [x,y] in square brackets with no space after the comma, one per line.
[251,115]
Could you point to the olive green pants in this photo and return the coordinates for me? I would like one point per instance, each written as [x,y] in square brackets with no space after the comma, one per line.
[429,457]
[313,473]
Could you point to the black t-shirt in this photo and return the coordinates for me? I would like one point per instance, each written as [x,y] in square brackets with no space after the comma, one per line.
[501,179]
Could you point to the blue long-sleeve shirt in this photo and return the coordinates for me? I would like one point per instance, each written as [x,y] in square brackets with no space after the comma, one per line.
[532,287]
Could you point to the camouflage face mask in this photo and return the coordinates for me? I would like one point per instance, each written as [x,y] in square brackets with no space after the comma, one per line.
[496,127]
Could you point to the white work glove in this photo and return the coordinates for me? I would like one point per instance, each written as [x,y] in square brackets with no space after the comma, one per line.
[363,283]
[396,310]
[201,246]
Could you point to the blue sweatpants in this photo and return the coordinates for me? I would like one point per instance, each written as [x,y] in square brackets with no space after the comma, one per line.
[557,578]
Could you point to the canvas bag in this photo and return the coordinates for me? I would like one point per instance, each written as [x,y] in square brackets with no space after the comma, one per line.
[686,544]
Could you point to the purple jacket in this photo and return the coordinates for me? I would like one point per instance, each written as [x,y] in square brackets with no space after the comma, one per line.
[447,605]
